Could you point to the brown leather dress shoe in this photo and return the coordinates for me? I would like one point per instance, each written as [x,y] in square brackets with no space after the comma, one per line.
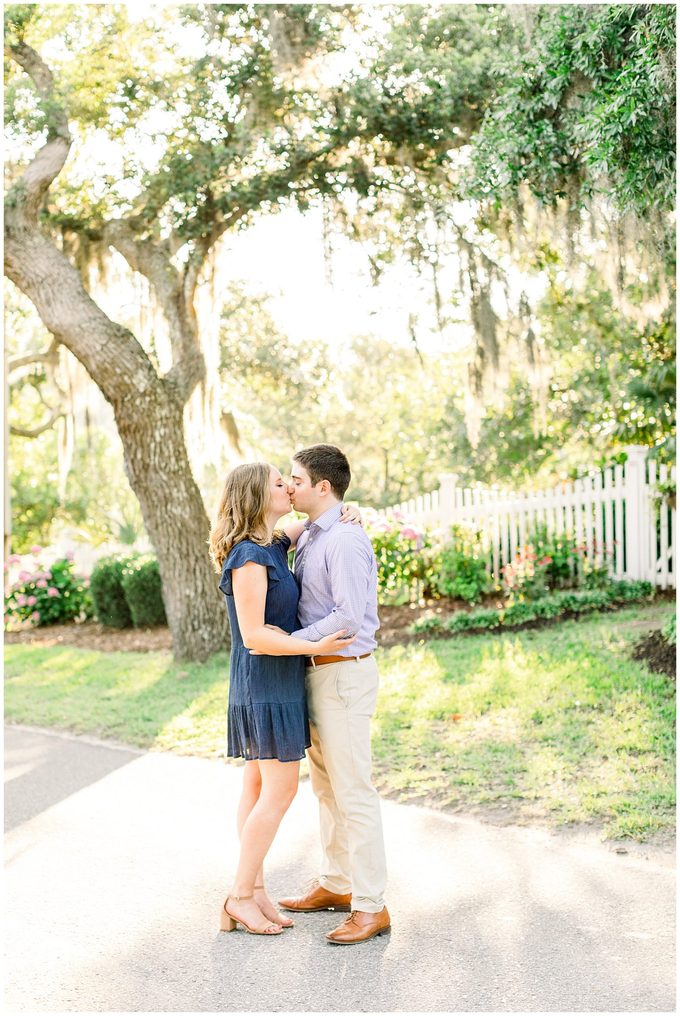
[359,927]
[318,898]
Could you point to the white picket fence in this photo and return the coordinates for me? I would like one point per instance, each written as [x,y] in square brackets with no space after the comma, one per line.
[616,514]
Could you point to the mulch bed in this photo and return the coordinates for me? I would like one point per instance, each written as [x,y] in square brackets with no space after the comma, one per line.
[395,622]
[658,654]
[91,635]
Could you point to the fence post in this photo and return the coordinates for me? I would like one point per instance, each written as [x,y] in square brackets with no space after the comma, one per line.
[637,513]
[447,501]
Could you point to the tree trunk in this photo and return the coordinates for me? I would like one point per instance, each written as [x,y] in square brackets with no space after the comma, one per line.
[148,411]
[158,468]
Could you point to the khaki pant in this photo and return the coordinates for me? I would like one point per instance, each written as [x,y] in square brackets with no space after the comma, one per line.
[341,698]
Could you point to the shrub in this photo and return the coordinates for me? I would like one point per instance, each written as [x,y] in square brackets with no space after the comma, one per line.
[405,555]
[526,576]
[569,564]
[108,595]
[48,595]
[142,586]
[463,566]
[636,589]
[475,619]
[575,601]
[668,631]
[565,556]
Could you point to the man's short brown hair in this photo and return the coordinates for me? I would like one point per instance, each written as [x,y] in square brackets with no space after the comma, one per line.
[326,462]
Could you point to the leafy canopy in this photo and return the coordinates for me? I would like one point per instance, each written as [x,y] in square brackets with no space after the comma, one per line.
[585,105]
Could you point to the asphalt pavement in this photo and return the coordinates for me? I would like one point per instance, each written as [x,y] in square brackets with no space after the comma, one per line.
[117,862]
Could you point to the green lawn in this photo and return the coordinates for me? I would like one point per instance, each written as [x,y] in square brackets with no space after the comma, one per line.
[552,726]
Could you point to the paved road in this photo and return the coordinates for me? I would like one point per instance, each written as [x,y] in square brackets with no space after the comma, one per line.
[117,863]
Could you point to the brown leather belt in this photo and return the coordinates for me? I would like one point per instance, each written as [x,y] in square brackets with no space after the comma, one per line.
[318,661]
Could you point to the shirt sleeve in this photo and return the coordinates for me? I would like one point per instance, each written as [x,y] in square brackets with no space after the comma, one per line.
[240,555]
[350,568]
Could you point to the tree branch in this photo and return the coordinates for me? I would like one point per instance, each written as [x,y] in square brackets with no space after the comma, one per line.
[111,354]
[36,431]
[28,193]
[175,291]
[25,361]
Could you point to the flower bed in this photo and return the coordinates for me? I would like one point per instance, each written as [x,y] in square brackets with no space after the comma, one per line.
[416,563]
[569,603]
[44,592]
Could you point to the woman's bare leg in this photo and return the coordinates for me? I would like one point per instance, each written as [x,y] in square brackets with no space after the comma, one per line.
[279,781]
[252,785]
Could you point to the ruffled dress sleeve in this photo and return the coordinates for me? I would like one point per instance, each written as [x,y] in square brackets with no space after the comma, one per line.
[240,555]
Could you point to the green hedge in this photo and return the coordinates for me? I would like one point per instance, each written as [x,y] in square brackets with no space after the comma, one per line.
[108,596]
[568,602]
[141,583]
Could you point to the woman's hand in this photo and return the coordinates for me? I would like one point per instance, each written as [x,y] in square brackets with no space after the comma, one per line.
[330,645]
[327,646]
[350,513]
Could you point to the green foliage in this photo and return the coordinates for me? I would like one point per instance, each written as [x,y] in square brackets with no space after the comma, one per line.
[566,558]
[97,511]
[210,95]
[612,384]
[35,502]
[547,608]
[50,594]
[108,595]
[208,114]
[462,566]
[669,630]
[17,18]
[526,576]
[552,561]
[608,382]
[558,725]
[396,397]
[404,554]
[586,102]
[650,405]
[141,583]
[426,88]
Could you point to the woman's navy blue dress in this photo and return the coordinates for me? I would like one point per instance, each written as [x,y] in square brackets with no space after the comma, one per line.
[267,715]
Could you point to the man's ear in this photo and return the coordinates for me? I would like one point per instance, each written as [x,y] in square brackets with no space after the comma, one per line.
[324,487]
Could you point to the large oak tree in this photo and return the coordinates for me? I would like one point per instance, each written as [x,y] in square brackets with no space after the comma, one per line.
[209,114]
[219,111]
[230,142]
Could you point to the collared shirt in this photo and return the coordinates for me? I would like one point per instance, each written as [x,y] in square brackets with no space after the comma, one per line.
[338,578]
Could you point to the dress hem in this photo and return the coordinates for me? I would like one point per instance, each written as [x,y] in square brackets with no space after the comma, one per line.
[268,758]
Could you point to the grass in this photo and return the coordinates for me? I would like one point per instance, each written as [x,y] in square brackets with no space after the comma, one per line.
[143,699]
[552,726]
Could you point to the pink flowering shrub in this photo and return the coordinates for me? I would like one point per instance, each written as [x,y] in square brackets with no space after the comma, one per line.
[526,576]
[405,554]
[552,560]
[569,565]
[47,595]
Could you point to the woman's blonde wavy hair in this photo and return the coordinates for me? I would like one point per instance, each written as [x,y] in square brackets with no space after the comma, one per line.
[242,511]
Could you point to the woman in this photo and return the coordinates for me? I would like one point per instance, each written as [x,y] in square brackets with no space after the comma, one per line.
[268,724]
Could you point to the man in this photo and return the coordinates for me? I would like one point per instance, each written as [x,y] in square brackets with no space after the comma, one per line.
[337,573]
